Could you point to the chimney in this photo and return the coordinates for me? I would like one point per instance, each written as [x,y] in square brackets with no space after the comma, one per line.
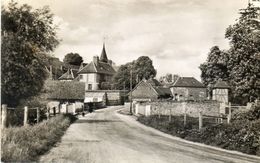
[96,60]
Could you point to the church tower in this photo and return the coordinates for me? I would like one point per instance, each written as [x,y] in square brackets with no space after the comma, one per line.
[103,57]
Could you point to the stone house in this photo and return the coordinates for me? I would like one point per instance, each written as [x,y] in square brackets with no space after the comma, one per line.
[97,72]
[149,90]
[188,88]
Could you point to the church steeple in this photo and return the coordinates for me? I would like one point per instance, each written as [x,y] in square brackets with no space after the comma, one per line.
[103,57]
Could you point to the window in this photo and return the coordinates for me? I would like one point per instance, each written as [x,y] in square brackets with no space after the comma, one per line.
[80,76]
[89,86]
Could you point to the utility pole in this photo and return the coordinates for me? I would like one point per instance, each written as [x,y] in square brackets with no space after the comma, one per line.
[131,76]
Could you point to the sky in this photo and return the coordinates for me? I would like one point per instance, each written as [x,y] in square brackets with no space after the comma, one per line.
[175,34]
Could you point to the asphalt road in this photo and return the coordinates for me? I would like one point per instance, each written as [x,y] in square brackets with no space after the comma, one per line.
[108,137]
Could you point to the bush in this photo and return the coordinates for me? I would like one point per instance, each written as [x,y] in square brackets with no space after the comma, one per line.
[28,142]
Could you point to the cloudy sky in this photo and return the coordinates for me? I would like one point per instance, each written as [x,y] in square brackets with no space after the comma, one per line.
[175,34]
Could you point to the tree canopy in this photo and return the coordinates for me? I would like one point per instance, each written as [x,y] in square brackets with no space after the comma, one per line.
[27,37]
[239,64]
[73,59]
[142,68]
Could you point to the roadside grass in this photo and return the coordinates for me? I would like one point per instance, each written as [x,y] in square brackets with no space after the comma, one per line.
[28,142]
[242,134]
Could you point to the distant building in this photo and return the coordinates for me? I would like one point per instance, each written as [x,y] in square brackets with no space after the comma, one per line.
[188,88]
[149,90]
[99,71]
[220,91]
[65,95]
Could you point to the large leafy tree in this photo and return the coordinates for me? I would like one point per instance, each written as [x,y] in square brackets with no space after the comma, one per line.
[142,68]
[73,59]
[215,67]
[240,64]
[27,37]
[244,65]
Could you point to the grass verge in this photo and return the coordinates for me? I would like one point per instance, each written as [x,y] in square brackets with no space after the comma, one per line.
[28,142]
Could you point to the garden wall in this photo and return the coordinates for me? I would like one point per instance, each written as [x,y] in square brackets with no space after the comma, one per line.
[178,108]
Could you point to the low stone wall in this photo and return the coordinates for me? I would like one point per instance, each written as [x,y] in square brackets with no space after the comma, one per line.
[192,109]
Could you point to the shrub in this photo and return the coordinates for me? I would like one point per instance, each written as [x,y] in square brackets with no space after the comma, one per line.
[28,142]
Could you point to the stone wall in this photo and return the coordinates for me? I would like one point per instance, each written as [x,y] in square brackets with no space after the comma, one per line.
[178,108]
[115,97]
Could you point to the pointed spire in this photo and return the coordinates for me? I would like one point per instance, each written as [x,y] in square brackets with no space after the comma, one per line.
[103,57]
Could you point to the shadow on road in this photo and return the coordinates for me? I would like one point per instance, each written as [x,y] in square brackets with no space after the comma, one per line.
[95,121]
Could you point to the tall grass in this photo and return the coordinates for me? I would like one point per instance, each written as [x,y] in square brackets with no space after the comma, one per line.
[28,142]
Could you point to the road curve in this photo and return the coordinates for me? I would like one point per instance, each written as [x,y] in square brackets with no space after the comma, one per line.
[107,137]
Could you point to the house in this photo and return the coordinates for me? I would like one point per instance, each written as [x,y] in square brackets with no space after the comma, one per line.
[220,91]
[149,90]
[65,96]
[188,88]
[97,72]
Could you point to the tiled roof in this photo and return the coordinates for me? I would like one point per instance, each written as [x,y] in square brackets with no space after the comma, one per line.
[155,85]
[221,84]
[102,68]
[188,82]
[64,90]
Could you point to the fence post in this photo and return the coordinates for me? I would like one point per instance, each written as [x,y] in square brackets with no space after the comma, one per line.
[67,108]
[54,111]
[200,120]
[25,120]
[159,113]
[170,115]
[48,113]
[4,116]
[185,114]
[38,115]
[229,113]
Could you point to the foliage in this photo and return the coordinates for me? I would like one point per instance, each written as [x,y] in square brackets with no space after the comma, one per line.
[27,36]
[216,66]
[142,68]
[240,64]
[25,144]
[73,59]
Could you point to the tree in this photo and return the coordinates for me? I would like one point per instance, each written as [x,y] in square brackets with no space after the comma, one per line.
[121,80]
[73,59]
[240,64]
[215,67]
[243,64]
[27,37]
[142,68]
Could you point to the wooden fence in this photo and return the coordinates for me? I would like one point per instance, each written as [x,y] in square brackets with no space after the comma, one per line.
[6,114]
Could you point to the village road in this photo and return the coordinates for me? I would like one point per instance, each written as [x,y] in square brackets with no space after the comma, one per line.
[108,137]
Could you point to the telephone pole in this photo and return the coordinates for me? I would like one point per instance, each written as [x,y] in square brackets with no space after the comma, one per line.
[131,83]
